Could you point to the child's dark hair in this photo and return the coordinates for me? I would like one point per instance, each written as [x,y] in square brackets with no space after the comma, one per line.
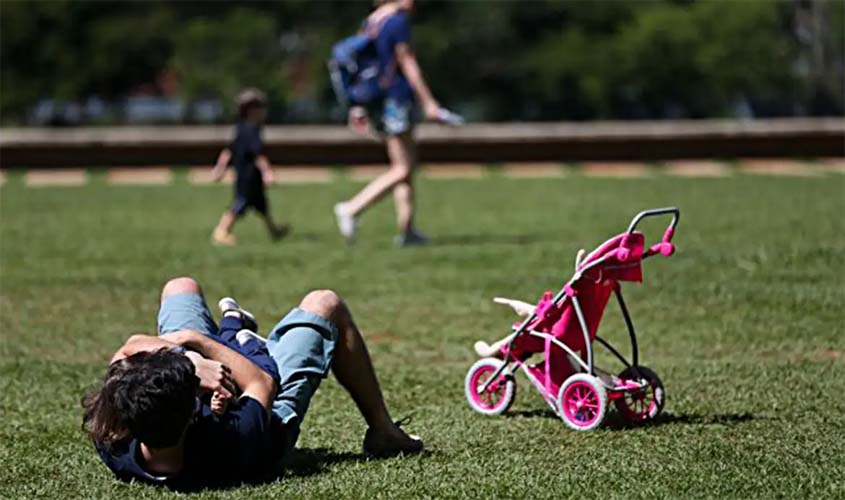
[249,99]
[150,396]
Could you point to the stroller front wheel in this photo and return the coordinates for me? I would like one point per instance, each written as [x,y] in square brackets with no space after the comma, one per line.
[582,402]
[498,396]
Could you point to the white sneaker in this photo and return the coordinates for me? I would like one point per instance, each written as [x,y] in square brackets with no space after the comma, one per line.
[245,336]
[345,222]
[228,304]
[412,238]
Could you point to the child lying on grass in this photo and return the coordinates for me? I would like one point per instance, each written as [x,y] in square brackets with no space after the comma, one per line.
[239,327]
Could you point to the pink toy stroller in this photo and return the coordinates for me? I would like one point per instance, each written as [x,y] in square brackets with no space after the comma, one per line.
[563,327]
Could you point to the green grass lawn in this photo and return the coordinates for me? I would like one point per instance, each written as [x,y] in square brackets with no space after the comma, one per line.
[744,325]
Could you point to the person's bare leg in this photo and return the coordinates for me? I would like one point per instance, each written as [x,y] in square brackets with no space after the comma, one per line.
[276,231]
[354,370]
[180,285]
[222,234]
[403,197]
[400,150]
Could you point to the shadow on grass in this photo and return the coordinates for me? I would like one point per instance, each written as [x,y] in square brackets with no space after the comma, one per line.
[305,462]
[489,239]
[312,461]
[615,421]
[307,236]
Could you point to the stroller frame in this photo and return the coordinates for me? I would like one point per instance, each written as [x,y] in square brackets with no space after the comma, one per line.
[613,391]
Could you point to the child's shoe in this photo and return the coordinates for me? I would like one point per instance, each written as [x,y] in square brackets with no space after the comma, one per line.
[279,232]
[245,336]
[228,305]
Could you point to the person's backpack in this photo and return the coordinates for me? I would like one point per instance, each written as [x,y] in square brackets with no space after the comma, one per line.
[354,69]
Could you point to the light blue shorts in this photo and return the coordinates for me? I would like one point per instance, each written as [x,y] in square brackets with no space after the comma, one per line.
[392,116]
[302,345]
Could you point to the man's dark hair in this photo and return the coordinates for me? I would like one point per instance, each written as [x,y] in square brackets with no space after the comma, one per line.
[150,396]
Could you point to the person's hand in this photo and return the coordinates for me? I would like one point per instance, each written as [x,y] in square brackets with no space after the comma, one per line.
[431,109]
[267,176]
[358,121]
[214,376]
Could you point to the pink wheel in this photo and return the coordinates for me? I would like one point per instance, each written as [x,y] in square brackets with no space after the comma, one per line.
[582,402]
[643,406]
[499,394]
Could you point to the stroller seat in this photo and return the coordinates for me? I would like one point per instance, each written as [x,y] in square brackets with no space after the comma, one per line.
[622,261]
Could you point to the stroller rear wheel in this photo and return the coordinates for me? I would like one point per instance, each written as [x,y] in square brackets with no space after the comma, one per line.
[582,402]
[640,407]
[499,394]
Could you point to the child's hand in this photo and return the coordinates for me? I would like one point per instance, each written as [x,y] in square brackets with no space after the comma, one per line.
[219,403]
[213,375]
[268,177]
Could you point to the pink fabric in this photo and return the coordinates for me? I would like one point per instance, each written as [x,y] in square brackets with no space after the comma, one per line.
[593,292]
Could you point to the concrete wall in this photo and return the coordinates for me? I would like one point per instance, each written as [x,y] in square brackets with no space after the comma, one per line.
[489,143]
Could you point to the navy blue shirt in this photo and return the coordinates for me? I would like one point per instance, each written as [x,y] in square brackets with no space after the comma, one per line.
[240,446]
[246,147]
[395,30]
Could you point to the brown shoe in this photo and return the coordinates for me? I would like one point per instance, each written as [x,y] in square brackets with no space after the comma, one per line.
[378,444]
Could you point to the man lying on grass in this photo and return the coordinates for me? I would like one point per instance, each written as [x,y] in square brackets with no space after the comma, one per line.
[151,420]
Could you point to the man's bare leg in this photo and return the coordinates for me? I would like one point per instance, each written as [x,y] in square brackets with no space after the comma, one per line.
[177,286]
[354,370]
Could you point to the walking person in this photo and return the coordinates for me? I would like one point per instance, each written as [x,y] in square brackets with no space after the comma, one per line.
[391,116]
[252,170]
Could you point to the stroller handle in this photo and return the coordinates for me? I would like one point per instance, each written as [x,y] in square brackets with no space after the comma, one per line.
[665,246]
[676,215]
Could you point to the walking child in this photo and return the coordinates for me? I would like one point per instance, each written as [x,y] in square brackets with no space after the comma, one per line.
[252,169]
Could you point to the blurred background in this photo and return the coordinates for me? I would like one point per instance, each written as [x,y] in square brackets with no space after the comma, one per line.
[67,63]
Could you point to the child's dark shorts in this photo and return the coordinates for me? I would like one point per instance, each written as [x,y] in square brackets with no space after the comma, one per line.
[245,199]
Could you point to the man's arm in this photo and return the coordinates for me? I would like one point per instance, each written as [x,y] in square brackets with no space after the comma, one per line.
[253,381]
[141,343]
[213,375]
[411,69]
[222,164]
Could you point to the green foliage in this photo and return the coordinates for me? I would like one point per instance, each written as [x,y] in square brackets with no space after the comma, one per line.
[218,57]
[502,60]
[744,326]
